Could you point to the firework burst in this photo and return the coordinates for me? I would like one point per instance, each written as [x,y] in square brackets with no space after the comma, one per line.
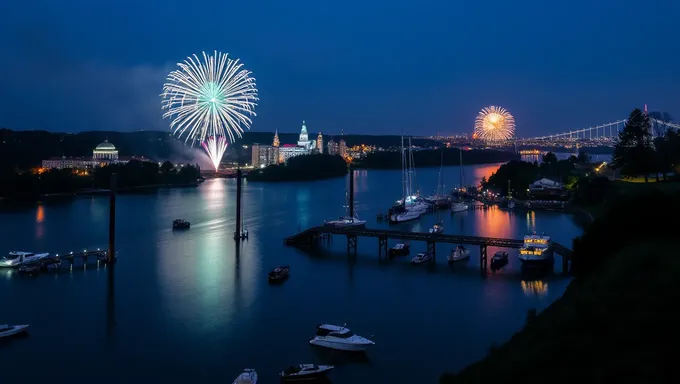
[494,124]
[215,146]
[209,97]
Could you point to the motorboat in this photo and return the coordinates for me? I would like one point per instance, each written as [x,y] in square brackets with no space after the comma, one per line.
[535,250]
[11,330]
[248,376]
[437,228]
[346,222]
[421,258]
[340,338]
[459,206]
[407,215]
[279,274]
[401,249]
[180,224]
[500,257]
[305,372]
[458,254]
[18,258]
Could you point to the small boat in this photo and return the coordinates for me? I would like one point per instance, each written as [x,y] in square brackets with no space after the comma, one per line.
[30,269]
[279,274]
[346,222]
[180,224]
[249,376]
[437,228]
[500,257]
[11,330]
[340,338]
[17,258]
[458,254]
[401,249]
[537,250]
[305,372]
[421,258]
[459,206]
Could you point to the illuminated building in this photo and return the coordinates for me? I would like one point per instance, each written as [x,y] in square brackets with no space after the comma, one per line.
[342,148]
[276,141]
[319,143]
[303,140]
[332,147]
[264,155]
[105,153]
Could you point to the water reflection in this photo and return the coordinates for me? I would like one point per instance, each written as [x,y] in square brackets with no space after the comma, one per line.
[482,171]
[534,288]
[531,221]
[39,219]
[494,222]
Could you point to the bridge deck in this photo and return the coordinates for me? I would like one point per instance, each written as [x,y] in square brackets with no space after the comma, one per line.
[307,236]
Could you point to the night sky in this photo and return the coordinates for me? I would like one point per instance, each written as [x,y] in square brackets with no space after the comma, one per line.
[363,66]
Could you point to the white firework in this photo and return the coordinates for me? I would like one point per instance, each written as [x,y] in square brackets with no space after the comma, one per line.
[494,124]
[215,146]
[209,97]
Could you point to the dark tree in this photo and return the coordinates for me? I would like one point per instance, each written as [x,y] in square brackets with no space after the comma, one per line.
[167,167]
[633,153]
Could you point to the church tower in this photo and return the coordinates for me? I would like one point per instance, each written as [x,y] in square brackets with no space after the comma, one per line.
[304,141]
[303,133]
[276,142]
[319,143]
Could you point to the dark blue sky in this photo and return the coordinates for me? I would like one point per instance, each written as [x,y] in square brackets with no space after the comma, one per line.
[365,66]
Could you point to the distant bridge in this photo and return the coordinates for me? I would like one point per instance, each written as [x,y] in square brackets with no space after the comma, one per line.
[603,132]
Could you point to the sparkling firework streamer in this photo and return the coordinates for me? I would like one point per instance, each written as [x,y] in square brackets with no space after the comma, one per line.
[209,97]
[215,146]
[494,124]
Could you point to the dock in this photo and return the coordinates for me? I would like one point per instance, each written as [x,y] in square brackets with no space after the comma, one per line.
[311,237]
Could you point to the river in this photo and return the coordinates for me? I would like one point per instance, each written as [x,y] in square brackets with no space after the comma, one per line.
[192,306]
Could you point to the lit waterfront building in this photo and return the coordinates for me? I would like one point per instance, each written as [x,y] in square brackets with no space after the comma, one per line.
[105,153]
[332,147]
[319,143]
[303,140]
[276,142]
[264,155]
[342,148]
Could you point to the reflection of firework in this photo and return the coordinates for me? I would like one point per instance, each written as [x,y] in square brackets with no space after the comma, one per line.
[494,124]
[215,146]
[209,97]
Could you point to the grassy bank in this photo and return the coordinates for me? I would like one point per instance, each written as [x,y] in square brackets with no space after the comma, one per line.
[610,327]
[622,189]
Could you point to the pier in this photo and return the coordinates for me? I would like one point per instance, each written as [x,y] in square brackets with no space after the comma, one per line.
[311,237]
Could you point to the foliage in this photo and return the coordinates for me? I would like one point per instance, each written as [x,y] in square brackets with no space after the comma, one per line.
[521,174]
[633,153]
[302,168]
[593,190]
[433,158]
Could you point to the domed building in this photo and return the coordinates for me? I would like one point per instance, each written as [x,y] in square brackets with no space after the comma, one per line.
[105,151]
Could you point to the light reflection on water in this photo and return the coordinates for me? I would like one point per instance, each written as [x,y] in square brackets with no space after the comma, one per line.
[534,288]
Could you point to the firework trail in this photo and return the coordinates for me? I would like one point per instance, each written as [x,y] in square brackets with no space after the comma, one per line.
[494,124]
[209,97]
[215,146]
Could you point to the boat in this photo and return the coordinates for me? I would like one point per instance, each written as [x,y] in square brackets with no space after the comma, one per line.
[340,338]
[401,249]
[180,224]
[439,199]
[17,258]
[459,206]
[437,228]
[421,258]
[303,372]
[11,330]
[500,257]
[511,204]
[30,268]
[248,376]
[410,207]
[536,250]
[279,274]
[244,231]
[350,220]
[458,254]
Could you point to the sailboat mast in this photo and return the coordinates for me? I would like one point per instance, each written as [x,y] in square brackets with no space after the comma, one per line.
[403,171]
[440,185]
[460,152]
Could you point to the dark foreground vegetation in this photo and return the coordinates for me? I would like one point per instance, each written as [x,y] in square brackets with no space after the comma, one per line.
[433,158]
[302,168]
[134,174]
[616,320]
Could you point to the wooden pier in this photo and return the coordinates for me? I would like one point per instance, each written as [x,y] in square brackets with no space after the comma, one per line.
[311,237]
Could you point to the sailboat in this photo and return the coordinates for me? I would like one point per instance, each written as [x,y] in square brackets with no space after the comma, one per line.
[348,220]
[409,207]
[460,206]
[439,199]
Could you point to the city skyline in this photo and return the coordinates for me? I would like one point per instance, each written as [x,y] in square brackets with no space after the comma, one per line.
[67,68]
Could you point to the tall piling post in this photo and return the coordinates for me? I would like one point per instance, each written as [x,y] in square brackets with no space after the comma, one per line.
[111,257]
[351,191]
[237,233]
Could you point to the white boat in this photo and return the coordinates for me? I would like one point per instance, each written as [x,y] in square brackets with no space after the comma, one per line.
[407,215]
[340,338]
[11,330]
[536,250]
[421,258]
[437,228]
[249,376]
[459,206]
[411,205]
[17,258]
[346,221]
[458,254]
[305,372]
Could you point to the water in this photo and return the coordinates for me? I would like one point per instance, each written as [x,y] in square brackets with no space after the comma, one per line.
[191,306]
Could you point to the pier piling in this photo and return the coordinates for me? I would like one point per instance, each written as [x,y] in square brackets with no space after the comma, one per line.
[112,221]
[351,191]
[237,233]
[483,260]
